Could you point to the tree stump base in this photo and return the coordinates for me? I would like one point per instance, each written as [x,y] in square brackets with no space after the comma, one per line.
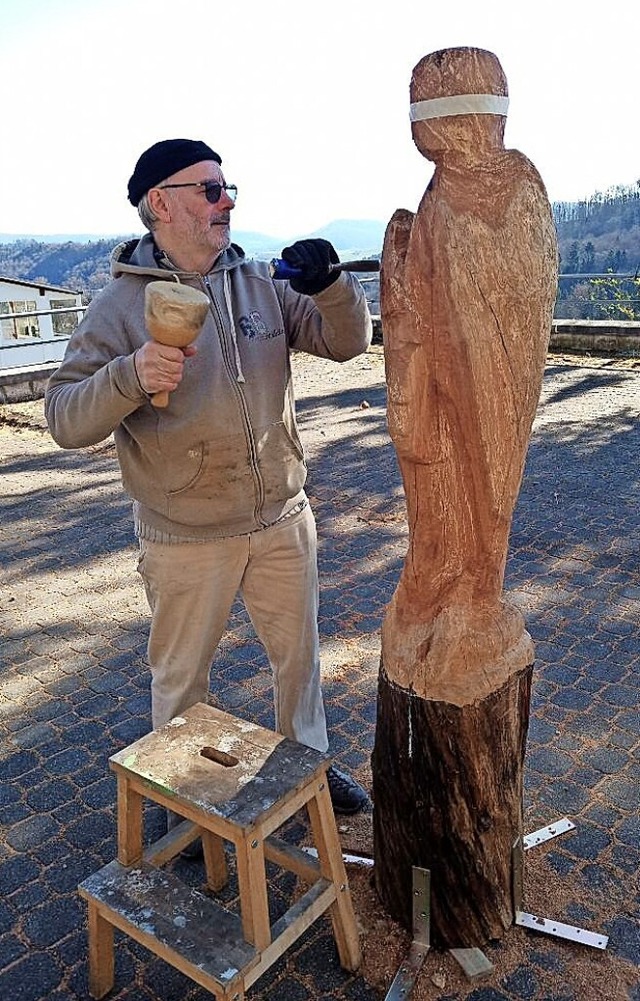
[447,787]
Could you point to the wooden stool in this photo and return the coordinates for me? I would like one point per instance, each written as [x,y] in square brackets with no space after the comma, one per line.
[235,781]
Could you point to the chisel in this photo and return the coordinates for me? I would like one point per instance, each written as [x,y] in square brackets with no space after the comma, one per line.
[280,270]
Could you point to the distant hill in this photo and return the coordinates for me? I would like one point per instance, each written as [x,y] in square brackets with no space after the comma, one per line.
[599,236]
[60,237]
[77,262]
[345,234]
[349,234]
[600,233]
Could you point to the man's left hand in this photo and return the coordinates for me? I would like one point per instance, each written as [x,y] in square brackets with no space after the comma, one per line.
[313,258]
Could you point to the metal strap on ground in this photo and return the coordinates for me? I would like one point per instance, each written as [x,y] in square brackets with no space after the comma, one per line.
[560,930]
[404,980]
[346,858]
[548,832]
[546,925]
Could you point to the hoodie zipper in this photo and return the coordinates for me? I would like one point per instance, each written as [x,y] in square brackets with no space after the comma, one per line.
[242,403]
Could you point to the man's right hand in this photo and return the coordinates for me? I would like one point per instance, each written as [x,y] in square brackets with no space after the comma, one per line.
[159,367]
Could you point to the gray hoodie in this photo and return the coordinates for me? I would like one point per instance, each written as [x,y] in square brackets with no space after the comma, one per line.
[224,458]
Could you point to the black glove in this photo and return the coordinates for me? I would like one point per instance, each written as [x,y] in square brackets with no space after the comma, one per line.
[313,258]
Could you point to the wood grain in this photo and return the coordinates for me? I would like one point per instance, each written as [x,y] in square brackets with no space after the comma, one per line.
[468,284]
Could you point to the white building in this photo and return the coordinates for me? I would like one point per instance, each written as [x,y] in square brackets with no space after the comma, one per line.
[35,322]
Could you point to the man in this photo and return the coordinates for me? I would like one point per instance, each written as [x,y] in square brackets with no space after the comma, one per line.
[217,477]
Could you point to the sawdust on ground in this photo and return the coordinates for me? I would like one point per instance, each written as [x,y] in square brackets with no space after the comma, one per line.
[572,970]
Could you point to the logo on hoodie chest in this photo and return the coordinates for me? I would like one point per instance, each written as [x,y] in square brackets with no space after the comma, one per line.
[255,329]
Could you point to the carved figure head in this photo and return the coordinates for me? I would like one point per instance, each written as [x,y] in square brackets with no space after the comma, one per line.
[451,73]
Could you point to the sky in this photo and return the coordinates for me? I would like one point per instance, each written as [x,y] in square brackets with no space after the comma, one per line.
[307,101]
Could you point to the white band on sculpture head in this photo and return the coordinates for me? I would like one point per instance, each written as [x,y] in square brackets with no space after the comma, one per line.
[460,104]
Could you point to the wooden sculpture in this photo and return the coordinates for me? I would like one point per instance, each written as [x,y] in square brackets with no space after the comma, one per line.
[467,292]
[174,315]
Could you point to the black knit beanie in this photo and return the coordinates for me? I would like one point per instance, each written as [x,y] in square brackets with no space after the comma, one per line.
[164,159]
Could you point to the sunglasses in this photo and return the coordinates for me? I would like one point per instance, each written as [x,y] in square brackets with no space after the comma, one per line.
[212,190]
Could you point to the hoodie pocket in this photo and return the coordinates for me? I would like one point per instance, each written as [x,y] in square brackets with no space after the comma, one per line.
[281,462]
[214,484]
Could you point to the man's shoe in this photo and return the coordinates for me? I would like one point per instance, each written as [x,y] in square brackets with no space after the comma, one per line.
[193,851]
[347,795]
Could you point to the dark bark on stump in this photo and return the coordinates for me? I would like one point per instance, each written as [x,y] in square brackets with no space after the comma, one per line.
[447,786]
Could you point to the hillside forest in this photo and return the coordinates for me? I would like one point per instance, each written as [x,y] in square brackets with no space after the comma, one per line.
[599,240]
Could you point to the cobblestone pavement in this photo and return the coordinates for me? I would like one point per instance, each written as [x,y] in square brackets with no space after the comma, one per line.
[74,689]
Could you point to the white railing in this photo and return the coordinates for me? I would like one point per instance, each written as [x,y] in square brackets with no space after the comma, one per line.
[30,350]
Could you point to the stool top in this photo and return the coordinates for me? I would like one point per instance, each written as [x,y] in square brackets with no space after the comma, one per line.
[220,764]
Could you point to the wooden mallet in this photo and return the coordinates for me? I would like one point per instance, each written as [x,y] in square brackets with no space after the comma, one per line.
[174,315]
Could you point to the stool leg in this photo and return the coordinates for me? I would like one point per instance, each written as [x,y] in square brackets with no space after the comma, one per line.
[129,823]
[100,953]
[254,903]
[214,860]
[325,834]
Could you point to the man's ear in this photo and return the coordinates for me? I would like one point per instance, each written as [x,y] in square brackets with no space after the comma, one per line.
[159,204]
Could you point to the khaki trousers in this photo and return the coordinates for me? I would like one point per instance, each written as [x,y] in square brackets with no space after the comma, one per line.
[191,587]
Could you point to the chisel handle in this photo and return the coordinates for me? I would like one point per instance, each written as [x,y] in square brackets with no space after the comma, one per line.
[281,271]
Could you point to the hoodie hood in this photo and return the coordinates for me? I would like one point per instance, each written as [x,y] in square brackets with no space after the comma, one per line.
[142,257]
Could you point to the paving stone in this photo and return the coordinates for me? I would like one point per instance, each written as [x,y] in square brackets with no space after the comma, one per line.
[55,849]
[16,872]
[540,732]
[561,862]
[549,761]
[71,950]
[547,961]
[627,858]
[620,695]
[629,721]
[606,760]
[564,797]
[50,922]
[11,948]
[522,983]
[622,792]
[15,812]
[359,991]
[602,815]
[91,828]
[9,793]
[624,938]
[17,764]
[572,698]
[31,832]
[66,762]
[32,978]
[34,736]
[488,994]
[628,831]
[49,795]
[318,958]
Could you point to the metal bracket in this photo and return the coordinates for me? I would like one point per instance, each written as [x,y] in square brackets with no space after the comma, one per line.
[517,874]
[404,980]
[560,930]
[363,860]
[545,925]
[546,833]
